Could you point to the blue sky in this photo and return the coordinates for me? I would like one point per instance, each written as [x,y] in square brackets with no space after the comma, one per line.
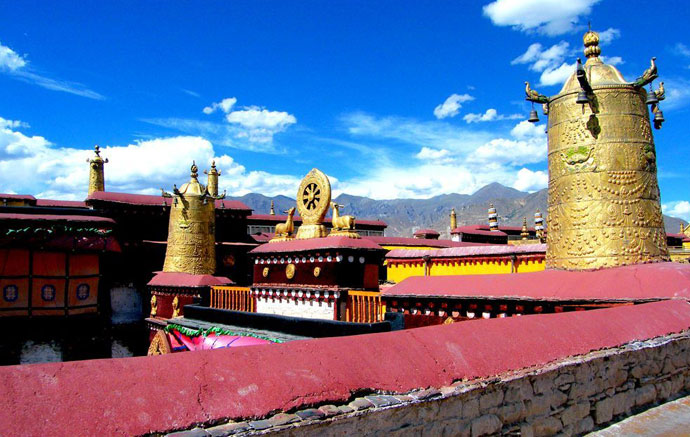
[390,98]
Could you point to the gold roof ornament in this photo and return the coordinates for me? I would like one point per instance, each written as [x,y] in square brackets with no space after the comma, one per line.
[96,171]
[313,200]
[192,228]
[453,219]
[212,180]
[524,233]
[273,211]
[604,208]
[342,225]
[285,231]
[493,218]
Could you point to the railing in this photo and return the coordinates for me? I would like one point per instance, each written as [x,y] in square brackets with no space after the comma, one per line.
[364,307]
[232,298]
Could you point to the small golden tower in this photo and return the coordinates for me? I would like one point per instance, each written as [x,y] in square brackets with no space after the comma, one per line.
[96,172]
[604,207]
[493,218]
[192,229]
[453,219]
[524,233]
[213,175]
[273,211]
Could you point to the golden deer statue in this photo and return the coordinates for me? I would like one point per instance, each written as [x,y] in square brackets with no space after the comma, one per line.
[344,222]
[288,228]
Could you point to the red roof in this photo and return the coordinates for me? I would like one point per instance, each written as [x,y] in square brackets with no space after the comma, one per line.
[57,218]
[297,219]
[316,244]
[175,279]
[483,250]
[148,200]
[172,392]
[17,196]
[426,232]
[636,282]
[61,203]
[477,230]
[408,241]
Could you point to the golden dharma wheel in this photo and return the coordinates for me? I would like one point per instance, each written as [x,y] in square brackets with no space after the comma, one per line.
[313,201]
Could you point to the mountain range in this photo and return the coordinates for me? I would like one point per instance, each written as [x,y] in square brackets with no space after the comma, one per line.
[405,216]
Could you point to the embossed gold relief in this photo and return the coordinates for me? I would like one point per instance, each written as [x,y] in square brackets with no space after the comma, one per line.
[290,271]
[265,272]
[160,344]
[154,306]
[604,208]
[317,272]
[313,200]
[96,171]
[176,307]
[191,230]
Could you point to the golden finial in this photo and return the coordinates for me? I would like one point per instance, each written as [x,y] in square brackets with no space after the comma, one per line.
[525,232]
[96,173]
[591,40]
[493,218]
[273,211]
[195,170]
[212,180]
[453,219]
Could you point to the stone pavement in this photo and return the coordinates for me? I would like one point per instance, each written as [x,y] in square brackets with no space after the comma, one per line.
[670,419]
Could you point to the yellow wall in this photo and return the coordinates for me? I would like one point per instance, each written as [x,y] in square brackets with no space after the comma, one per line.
[399,271]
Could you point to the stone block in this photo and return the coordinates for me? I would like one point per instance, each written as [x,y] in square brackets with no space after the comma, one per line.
[485,425]
[574,413]
[603,411]
[358,404]
[426,394]
[329,410]
[196,432]
[584,425]
[558,398]
[227,429]
[583,373]
[637,372]
[519,390]
[538,405]
[663,389]
[526,430]
[284,419]
[490,400]
[619,378]
[345,409]
[677,383]
[645,395]
[564,378]
[546,426]
[470,408]
[313,413]
[511,413]
[543,383]
[260,424]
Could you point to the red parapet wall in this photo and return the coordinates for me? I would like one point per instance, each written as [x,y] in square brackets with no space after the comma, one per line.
[134,396]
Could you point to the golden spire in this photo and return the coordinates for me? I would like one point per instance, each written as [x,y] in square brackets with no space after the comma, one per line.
[453,219]
[273,211]
[191,230]
[525,232]
[213,179]
[96,172]
[539,226]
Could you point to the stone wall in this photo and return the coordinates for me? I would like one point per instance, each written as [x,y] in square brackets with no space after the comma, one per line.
[567,398]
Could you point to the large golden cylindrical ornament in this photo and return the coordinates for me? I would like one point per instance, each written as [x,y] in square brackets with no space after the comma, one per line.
[191,231]
[96,172]
[604,205]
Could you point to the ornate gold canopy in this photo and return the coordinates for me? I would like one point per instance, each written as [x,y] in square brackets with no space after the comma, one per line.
[313,201]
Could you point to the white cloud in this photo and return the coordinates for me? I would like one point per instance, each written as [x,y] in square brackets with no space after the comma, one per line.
[556,76]
[550,17]
[18,68]
[142,167]
[10,60]
[430,154]
[680,209]
[528,180]
[681,49]
[609,35]
[224,105]
[12,124]
[450,107]
[490,115]
[549,62]
[612,60]
[677,93]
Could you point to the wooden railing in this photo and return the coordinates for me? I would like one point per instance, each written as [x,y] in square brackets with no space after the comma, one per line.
[364,307]
[232,298]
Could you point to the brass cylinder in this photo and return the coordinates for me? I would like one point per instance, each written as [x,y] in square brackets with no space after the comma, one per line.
[191,232]
[604,206]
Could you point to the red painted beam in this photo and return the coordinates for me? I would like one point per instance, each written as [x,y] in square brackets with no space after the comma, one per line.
[133,396]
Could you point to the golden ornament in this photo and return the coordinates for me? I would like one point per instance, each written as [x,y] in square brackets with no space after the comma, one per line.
[290,271]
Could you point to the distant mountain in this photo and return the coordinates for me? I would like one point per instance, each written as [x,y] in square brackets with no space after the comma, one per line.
[405,216]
